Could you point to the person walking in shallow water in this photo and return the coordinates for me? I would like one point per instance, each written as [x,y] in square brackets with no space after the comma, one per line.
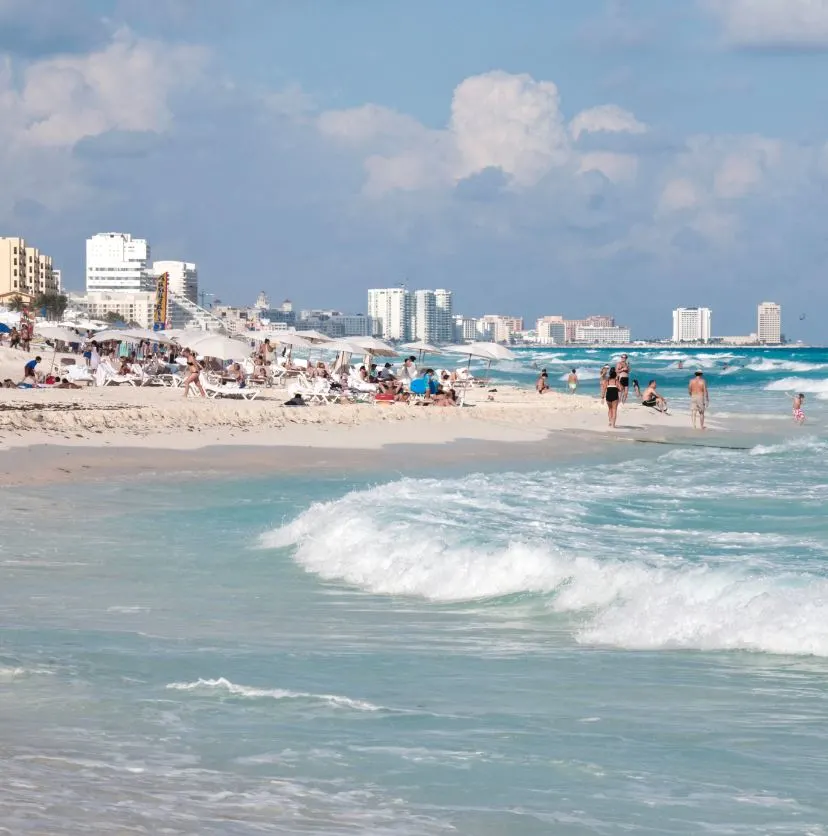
[798,411]
[612,396]
[699,398]
[572,381]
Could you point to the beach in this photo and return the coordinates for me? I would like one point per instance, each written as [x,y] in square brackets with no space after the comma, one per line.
[230,618]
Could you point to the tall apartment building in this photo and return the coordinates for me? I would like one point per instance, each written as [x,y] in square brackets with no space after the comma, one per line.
[444,330]
[183,277]
[691,325]
[769,326]
[465,329]
[424,316]
[503,327]
[551,330]
[390,311]
[24,271]
[117,262]
[599,321]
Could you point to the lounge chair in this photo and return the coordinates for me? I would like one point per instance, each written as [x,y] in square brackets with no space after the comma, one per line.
[228,390]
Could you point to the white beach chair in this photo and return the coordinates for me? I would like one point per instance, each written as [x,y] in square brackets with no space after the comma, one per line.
[228,390]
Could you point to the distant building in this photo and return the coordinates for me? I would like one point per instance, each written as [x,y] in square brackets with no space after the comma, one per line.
[424,316]
[334,323]
[503,328]
[390,310]
[691,325]
[183,277]
[748,339]
[550,330]
[596,321]
[236,320]
[444,328]
[465,329]
[118,263]
[600,335]
[128,307]
[262,302]
[24,271]
[769,327]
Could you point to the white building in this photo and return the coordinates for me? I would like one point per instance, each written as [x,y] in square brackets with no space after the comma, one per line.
[444,332]
[130,307]
[117,262]
[502,328]
[604,335]
[550,330]
[390,310]
[183,277]
[465,329]
[691,325]
[424,316]
[769,328]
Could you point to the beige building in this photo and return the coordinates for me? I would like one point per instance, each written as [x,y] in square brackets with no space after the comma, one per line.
[503,328]
[130,307]
[24,271]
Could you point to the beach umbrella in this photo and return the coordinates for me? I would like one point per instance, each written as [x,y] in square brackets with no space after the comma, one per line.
[422,348]
[313,336]
[220,347]
[373,346]
[58,332]
[147,334]
[112,334]
[490,352]
[290,338]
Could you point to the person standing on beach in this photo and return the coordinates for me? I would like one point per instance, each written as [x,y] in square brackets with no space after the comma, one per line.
[602,381]
[572,381]
[699,398]
[193,374]
[622,369]
[612,396]
[542,383]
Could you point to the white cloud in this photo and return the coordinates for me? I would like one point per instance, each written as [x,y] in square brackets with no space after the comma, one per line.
[498,120]
[779,23]
[679,194]
[607,119]
[59,101]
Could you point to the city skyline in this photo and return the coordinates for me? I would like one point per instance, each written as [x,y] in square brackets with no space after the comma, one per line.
[542,165]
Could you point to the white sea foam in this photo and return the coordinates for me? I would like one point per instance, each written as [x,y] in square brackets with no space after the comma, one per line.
[614,585]
[798,384]
[225,686]
[766,364]
[802,444]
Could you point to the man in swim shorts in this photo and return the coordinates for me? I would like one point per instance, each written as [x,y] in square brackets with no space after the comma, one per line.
[699,398]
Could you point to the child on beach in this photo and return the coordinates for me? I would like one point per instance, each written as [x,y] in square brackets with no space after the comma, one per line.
[798,412]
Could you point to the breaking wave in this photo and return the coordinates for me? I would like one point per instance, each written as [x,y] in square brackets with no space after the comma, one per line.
[648,578]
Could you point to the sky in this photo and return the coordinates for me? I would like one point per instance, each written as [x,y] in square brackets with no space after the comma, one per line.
[536,157]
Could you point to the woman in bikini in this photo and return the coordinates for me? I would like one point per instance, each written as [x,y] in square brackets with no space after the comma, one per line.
[611,396]
[193,374]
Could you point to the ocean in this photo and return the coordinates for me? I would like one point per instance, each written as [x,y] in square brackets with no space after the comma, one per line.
[625,644]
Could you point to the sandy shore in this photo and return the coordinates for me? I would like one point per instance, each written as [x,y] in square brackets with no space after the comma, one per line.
[55,434]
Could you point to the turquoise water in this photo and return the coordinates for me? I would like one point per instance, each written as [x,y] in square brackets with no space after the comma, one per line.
[635,646]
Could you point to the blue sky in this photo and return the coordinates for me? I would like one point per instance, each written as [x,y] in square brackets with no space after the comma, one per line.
[621,156]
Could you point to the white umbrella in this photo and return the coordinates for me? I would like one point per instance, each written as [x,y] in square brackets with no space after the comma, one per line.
[422,346]
[112,334]
[373,346]
[221,347]
[290,338]
[147,334]
[491,352]
[58,332]
[483,351]
[314,336]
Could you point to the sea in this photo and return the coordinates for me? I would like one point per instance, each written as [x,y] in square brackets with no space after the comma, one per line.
[633,642]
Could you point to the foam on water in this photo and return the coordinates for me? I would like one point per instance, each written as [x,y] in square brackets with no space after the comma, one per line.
[642,574]
[225,686]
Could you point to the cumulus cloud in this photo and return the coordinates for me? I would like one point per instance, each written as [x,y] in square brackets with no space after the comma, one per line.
[772,23]
[605,119]
[498,121]
[57,102]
